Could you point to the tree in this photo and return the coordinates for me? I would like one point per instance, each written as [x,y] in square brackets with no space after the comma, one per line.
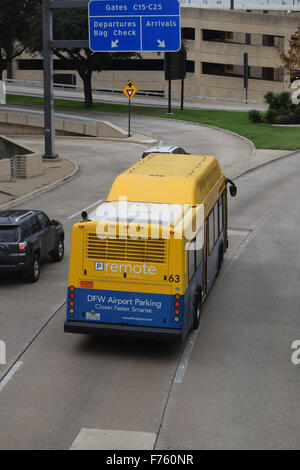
[291,60]
[72,23]
[15,18]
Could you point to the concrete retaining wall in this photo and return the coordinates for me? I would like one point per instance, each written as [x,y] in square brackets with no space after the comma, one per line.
[12,123]
[18,161]
[5,172]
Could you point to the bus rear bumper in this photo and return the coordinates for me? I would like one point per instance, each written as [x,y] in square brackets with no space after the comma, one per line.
[105,329]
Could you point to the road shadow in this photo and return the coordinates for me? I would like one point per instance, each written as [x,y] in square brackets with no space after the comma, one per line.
[126,347]
[7,278]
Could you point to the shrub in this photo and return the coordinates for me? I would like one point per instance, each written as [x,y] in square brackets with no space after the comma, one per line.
[254,116]
[290,119]
[281,102]
[271,116]
[296,115]
[284,103]
[270,98]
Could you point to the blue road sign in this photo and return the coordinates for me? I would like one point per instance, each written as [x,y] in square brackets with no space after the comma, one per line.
[134,25]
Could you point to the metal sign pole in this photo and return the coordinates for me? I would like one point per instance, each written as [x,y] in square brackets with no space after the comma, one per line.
[169,97]
[48,80]
[246,74]
[128,118]
[182,94]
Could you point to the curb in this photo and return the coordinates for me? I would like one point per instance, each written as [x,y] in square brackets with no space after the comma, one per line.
[50,186]
[53,185]
[261,165]
[240,137]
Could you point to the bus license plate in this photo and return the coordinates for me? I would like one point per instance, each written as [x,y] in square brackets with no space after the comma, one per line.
[92,316]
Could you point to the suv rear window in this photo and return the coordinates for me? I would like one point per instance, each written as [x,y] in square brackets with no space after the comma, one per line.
[8,234]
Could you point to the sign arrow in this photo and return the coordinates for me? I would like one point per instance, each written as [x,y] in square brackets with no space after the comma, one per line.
[161,43]
[115,43]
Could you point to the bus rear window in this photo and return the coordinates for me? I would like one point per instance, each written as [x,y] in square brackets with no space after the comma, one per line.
[8,234]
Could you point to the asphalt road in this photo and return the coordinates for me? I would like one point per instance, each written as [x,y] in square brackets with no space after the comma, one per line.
[232,151]
[239,388]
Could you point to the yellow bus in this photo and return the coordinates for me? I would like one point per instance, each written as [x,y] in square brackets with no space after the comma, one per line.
[145,259]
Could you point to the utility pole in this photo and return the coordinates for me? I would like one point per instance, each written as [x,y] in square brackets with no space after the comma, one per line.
[48,81]
[48,45]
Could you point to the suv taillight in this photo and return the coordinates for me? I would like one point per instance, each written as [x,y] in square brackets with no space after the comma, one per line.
[22,247]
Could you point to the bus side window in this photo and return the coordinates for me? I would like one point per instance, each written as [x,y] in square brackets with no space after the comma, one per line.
[216,221]
[191,259]
[221,218]
[211,230]
[199,246]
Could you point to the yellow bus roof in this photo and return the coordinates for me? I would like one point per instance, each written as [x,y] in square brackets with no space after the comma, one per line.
[168,178]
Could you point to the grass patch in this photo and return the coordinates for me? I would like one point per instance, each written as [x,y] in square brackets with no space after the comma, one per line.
[262,135]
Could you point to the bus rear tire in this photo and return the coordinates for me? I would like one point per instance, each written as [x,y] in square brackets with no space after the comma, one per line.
[197,312]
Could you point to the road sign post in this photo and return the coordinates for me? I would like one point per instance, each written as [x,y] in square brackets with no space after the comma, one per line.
[129,91]
[48,80]
[245,74]
[134,25]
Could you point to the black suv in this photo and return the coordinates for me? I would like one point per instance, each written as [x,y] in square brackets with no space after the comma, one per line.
[26,237]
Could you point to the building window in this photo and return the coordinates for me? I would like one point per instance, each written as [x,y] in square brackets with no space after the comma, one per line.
[268,40]
[188,33]
[229,34]
[267,73]
[232,70]
[64,79]
[213,35]
[231,37]
[134,64]
[190,66]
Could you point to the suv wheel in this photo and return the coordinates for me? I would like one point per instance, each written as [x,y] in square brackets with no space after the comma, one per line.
[58,253]
[34,271]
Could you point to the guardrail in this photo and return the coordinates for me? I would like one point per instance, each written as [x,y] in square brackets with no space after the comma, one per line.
[80,87]
[142,93]
[282,5]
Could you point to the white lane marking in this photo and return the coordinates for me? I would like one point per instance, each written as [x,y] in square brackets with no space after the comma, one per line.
[186,356]
[238,232]
[107,439]
[85,209]
[10,374]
